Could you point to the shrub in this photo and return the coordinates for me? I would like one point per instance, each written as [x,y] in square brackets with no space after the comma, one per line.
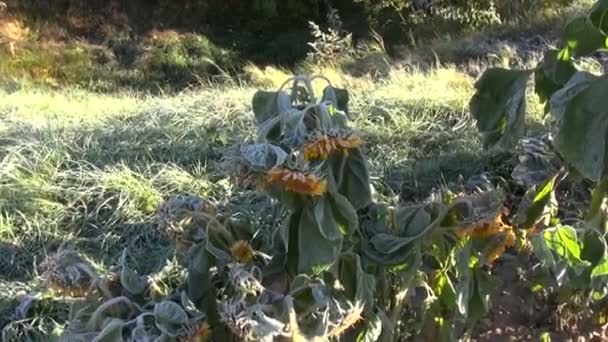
[181,60]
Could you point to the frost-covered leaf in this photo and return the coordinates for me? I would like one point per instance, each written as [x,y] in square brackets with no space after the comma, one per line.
[111,332]
[537,162]
[170,317]
[129,279]
[264,155]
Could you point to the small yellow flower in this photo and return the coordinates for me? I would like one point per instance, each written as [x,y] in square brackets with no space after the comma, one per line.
[298,182]
[324,146]
[242,252]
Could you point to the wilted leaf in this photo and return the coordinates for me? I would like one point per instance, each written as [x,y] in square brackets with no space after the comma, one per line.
[499,106]
[339,102]
[170,317]
[537,162]
[268,104]
[267,107]
[354,179]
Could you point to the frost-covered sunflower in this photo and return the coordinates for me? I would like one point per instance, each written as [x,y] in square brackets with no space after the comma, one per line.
[321,147]
[297,181]
[68,274]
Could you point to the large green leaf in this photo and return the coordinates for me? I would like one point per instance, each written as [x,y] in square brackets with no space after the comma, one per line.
[552,74]
[394,241]
[583,131]
[499,106]
[314,250]
[358,285]
[582,37]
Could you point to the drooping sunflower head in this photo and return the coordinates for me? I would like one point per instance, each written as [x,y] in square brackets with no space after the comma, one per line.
[242,252]
[297,181]
[68,274]
[321,146]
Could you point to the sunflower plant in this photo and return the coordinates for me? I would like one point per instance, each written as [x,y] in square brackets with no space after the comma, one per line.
[574,255]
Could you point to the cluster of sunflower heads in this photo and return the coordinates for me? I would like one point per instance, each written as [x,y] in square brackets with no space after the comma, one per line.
[483,217]
[296,136]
